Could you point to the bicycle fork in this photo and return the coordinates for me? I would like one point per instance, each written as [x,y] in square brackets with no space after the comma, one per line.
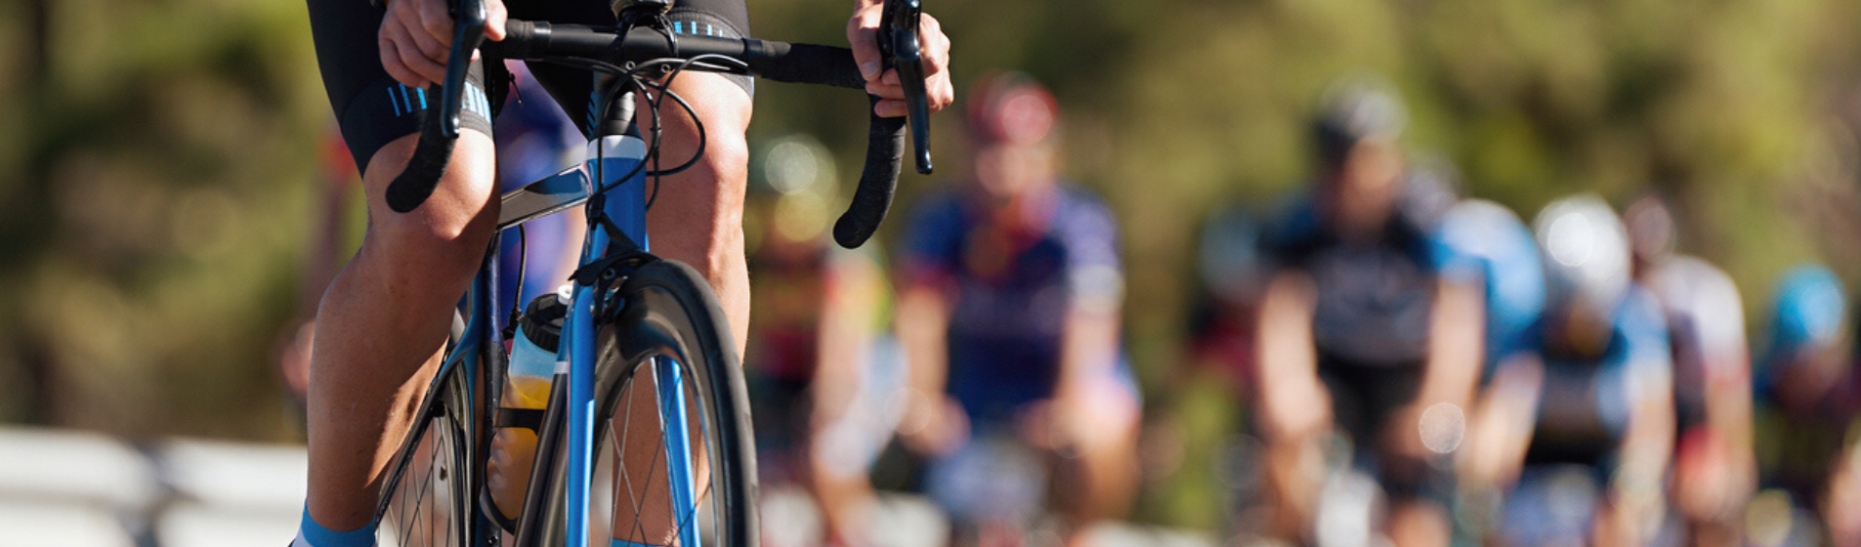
[611,156]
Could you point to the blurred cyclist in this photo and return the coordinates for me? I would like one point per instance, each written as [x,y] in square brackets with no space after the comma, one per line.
[820,376]
[1360,332]
[1715,470]
[1009,316]
[1604,422]
[1233,271]
[1805,387]
[1485,243]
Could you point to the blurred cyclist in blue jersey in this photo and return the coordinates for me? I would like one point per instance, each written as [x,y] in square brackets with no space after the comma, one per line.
[1009,304]
[825,386]
[1360,334]
[1604,425]
[1714,469]
[1487,244]
[1806,393]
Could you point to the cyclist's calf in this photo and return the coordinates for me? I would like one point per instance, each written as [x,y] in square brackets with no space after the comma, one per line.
[384,317]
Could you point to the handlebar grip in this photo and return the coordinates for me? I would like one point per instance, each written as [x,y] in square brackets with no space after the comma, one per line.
[424,169]
[873,199]
[803,64]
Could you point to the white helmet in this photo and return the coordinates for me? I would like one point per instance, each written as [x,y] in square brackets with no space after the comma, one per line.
[1586,256]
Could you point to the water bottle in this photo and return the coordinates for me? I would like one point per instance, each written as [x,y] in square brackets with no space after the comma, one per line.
[532,364]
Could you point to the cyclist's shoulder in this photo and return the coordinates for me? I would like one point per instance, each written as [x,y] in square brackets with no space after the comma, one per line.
[1082,214]
[1640,318]
[1291,225]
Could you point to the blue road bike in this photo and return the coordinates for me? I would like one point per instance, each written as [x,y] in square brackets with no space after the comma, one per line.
[646,437]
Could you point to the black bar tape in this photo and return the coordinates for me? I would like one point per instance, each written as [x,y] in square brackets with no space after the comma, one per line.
[877,181]
[803,64]
[424,169]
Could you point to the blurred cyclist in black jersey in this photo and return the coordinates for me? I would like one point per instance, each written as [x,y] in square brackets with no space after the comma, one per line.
[1360,334]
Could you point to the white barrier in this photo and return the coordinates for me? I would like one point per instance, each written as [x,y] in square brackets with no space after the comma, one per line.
[75,489]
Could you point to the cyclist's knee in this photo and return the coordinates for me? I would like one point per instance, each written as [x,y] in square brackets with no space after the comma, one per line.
[449,231]
[708,211]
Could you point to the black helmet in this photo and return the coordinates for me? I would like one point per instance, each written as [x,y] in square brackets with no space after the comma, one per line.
[1353,112]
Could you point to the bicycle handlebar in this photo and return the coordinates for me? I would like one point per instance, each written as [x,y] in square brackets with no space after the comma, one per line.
[778,61]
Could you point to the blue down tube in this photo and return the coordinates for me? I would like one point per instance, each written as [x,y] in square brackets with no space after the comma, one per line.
[609,159]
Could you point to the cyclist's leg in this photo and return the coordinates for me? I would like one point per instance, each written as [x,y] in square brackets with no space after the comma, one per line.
[698,215]
[385,316]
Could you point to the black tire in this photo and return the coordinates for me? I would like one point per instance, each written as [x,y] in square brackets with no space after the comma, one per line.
[427,501]
[671,312]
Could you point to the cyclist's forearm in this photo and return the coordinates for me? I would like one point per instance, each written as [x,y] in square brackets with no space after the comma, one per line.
[844,336]
[923,323]
[1089,342]
[1290,391]
[1454,347]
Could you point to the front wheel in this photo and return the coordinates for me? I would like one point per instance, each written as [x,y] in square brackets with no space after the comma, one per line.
[669,348]
[426,503]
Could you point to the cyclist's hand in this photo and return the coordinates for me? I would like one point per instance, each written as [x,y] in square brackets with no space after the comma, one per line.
[934,425]
[863,33]
[416,36]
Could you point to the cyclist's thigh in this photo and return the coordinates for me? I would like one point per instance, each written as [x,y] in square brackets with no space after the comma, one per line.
[371,108]
[573,88]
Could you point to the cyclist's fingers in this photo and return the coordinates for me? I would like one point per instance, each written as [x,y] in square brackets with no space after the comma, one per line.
[889,108]
[939,93]
[862,33]
[934,45]
[890,78]
[391,62]
[432,50]
[435,21]
[893,91]
[495,16]
[415,60]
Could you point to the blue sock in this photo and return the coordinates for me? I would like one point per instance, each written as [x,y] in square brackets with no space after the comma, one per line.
[311,534]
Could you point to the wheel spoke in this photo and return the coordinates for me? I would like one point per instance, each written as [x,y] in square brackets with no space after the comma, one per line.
[638,532]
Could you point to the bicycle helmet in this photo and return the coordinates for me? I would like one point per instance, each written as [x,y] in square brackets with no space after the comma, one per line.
[1586,261]
[1010,108]
[1808,313]
[1352,112]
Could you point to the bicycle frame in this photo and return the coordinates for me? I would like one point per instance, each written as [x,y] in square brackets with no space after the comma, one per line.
[616,234]
[609,158]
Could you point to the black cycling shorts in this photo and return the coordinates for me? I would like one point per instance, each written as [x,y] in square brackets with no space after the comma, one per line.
[373,109]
